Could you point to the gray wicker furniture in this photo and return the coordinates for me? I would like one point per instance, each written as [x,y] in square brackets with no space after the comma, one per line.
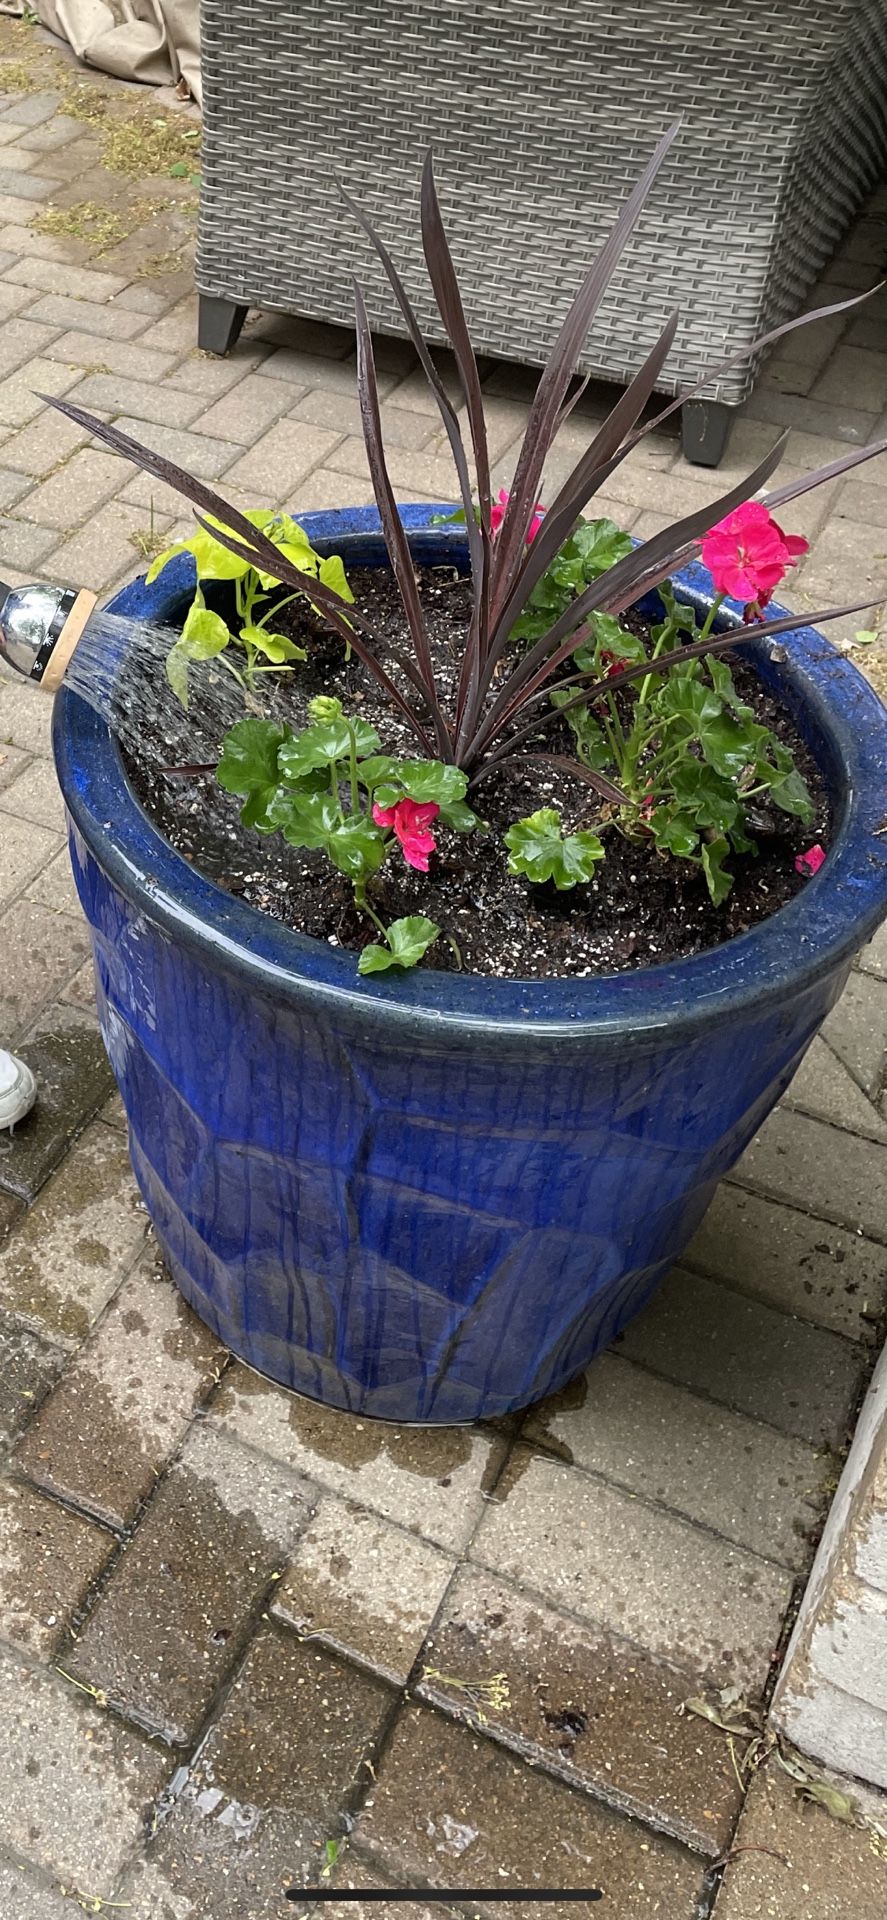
[541,114]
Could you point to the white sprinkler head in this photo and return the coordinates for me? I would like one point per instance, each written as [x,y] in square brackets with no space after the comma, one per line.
[18,1090]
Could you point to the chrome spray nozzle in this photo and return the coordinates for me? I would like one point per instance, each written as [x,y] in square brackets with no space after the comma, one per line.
[39,629]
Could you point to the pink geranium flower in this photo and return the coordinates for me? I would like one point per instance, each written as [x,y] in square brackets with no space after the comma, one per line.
[410,820]
[497,514]
[747,554]
[810,862]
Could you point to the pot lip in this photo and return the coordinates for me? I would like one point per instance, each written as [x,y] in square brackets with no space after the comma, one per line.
[814,934]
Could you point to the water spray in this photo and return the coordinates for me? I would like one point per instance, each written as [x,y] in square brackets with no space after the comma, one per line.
[117,664]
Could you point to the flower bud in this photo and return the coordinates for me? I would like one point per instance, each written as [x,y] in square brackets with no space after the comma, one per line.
[324,708]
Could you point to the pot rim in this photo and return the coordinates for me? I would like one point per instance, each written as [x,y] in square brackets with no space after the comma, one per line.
[815,933]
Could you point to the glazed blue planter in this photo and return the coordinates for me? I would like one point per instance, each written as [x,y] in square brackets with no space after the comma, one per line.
[435,1196]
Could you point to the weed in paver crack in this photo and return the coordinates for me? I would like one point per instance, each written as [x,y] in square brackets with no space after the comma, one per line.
[730,1712]
[148,542]
[97,1694]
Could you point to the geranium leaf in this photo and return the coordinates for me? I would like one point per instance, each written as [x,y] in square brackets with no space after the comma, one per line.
[366,739]
[375,959]
[599,544]
[688,700]
[701,792]
[791,793]
[326,741]
[539,849]
[714,853]
[674,832]
[729,745]
[357,848]
[424,780]
[591,744]
[408,940]
[379,766]
[249,755]
[259,809]
[459,816]
[722,681]
[305,819]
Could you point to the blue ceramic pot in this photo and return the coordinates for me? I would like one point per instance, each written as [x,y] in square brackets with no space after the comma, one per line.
[435,1196]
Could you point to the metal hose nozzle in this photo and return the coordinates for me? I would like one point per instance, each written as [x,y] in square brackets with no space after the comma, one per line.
[39,629]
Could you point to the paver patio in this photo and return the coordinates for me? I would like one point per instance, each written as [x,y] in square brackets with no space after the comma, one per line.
[234,1627]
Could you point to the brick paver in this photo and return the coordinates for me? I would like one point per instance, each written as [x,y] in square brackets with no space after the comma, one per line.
[75,1785]
[222,1557]
[66,1259]
[363,1587]
[824,1088]
[803,1265]
[430,1479]
[102,1439]
[653,1438]
[738,1352]
[49,1559]
[684,1594]
[285,1759]
[28,1365]
[66,1055]
[794,1862]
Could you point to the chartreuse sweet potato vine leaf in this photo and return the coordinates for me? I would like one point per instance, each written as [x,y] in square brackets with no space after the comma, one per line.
[266,651]
[539,848]
[203,635]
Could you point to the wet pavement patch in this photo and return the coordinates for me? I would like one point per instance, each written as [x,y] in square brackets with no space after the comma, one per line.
[28,1367]
[70,1251]
[584,1703]
[186,1590]
[273,1781]
[453,1809]
[49,1559]
[64,1050]
[363,1587]
[103,1436]
[430,1479]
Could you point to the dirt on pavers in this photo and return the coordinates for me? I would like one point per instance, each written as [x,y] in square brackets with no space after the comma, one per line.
[131,198]
[793,1860]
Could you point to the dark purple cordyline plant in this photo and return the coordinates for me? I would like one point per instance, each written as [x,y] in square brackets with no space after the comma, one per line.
[495,713]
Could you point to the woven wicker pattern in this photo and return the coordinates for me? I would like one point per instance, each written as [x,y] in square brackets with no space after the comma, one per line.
[541,114]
